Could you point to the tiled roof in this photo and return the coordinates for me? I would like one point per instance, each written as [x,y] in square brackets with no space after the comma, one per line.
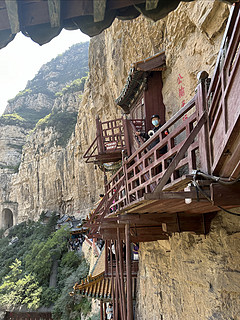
[137,78]
[95,287]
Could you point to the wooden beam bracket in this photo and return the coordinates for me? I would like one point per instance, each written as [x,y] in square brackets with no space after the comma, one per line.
[54,8]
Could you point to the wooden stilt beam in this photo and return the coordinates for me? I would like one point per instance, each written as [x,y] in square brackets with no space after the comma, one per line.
[129,274]
[101,310]
[120,259]
[106,257]
[104,310]
[116,301]
[112,279]
[119,286]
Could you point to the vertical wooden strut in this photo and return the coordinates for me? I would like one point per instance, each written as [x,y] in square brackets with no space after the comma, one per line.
[116,312]
[106,258]
[120,254]
[201,106]
[104,310]
[114,298]
[116,301]
[99,135]
[126,136]
[118,284]
[101,310]
[129,274]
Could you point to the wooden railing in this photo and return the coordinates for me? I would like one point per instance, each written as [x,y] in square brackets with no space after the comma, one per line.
[147,170]
[112,138]
[224,103]
[109,267]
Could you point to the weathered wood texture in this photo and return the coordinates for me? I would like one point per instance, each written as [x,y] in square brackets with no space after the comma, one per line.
[113,138]
[224,103]
[153,99]
[37,12]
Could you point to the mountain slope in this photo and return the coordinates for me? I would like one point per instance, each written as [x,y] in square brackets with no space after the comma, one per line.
[36,101]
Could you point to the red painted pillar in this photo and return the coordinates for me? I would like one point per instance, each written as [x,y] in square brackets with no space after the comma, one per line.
[129,274]
[101,310]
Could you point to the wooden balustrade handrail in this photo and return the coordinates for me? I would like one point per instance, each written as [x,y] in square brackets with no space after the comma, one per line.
[120,176]
[169,123]
[91,154]
[164,127]
[227,35]
[181,153]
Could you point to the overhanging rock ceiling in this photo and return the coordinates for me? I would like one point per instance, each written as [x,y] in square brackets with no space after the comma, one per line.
[42,20]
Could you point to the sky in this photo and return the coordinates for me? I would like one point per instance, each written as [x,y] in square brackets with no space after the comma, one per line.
[21,59]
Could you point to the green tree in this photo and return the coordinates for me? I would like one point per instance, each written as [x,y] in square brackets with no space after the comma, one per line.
[18,289]
[40,258]
[67,307]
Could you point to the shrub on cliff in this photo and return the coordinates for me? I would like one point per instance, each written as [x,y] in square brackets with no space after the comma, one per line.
[13,119]
[67,307]
[19,289]
[38,246]
[63,122]
[74,86]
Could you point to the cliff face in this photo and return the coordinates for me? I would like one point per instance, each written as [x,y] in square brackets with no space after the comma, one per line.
[192,277]
[54,92]
[48,178]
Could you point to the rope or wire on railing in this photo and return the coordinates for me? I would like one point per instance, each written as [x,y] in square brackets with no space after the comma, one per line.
[200,190]
[224,181]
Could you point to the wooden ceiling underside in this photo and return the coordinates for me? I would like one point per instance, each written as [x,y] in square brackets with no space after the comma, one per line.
[42,20]
[167,213]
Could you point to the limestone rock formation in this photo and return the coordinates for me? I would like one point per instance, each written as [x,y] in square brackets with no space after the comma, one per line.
[55,81]
[192,277]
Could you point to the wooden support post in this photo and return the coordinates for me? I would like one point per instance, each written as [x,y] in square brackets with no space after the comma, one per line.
[112,282]
[120,253]
[99,136]
[116,301]
[204,141]
[101,310]
[129,274]
[120,285]
[126,136]
[104,310]
[106,257]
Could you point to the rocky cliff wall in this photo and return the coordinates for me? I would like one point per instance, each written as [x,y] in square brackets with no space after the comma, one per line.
[192,277]
[61,77]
